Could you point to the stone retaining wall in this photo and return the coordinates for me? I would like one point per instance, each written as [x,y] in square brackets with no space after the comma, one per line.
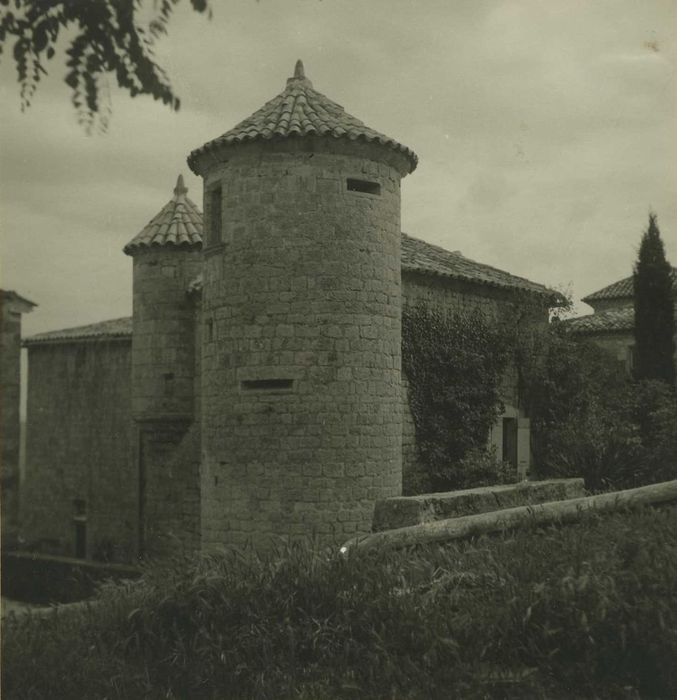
[391,513]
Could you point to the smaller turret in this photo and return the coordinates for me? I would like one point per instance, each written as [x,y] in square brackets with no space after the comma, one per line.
[167,257]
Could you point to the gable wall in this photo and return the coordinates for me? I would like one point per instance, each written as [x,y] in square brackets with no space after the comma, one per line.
[454,296]
[79,446]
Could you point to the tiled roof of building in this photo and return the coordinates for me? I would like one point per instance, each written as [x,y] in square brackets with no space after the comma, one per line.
[178,224]
[612,320]
[9,295]
[299,110]
[116,328]
[623,289]
[419,256]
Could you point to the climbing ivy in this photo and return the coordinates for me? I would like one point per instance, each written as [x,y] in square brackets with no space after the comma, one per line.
[454,364]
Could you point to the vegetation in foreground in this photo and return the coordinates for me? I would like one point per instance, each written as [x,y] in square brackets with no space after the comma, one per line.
[588,417]
[584,611]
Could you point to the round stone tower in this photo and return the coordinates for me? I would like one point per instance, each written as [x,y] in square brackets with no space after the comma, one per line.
[301,399]
[167,257]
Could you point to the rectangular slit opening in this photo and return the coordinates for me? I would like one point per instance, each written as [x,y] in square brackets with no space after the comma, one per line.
[267,384]
[363,186]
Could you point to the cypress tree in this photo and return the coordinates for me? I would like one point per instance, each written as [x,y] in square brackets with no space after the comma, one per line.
[654,309]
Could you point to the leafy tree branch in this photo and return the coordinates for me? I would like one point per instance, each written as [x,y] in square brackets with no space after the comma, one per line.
[111,37]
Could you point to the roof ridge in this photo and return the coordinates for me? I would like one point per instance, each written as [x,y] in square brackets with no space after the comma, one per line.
[120,327]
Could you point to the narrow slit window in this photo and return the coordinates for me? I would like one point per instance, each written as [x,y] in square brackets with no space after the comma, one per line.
[267,384]
[215,219]
[363,186]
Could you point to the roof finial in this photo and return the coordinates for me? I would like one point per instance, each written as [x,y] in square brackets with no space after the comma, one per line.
[299,78]
[180,188]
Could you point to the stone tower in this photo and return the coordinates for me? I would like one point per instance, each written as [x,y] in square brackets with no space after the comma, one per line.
[167,257]
[301,403]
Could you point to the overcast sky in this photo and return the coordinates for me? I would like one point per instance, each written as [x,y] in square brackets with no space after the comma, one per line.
[545,132]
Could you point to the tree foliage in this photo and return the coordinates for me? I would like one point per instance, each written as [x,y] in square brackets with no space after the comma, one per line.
[104,37]
[654,309]
[589,419]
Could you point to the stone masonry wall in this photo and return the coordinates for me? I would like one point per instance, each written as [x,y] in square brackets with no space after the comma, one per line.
[169,488]
[163,343]
[453,295]
[301,343]
[79,449]
[10,354]
[164,409]
[618,345]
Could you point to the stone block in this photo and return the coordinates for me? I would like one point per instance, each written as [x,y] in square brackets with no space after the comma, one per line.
[403,511]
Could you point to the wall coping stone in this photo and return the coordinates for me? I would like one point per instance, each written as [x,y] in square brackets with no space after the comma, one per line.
[403,511]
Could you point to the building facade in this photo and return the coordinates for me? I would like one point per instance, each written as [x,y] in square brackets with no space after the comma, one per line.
[612,323]
[13,306]
[262,394]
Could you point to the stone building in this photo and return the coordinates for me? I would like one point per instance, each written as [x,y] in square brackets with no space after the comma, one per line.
[79,495]
[257,388]
[612,323]
[13,306]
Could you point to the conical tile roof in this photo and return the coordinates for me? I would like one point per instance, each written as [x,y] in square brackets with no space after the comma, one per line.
[178,224]
[299,110]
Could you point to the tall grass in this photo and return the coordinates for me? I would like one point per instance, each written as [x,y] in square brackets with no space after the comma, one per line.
[584,611]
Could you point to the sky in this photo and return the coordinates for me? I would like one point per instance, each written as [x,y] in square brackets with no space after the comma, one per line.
[546,132]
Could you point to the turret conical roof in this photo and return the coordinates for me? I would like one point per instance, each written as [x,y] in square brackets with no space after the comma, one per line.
[178,224]
[299,110]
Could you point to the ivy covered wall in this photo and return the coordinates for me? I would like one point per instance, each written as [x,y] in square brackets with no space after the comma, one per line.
[459,372]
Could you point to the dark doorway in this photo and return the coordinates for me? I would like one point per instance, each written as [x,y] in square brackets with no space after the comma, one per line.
[510,441]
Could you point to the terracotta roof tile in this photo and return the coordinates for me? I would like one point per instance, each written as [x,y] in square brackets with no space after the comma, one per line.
[419,256]
[622,319]
[116,328]
[178,224]
[12,297]
[299,110]
[622,289]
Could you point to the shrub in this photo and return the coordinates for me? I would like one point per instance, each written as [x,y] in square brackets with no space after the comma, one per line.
[481,467]
[454,364]
[652,407]
[584,611]
[588,419]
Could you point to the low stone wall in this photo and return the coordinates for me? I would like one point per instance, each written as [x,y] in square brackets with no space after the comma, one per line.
[403,511]
[557,513]
[37,578]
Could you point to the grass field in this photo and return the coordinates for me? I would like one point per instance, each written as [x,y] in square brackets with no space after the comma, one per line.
[583,611]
